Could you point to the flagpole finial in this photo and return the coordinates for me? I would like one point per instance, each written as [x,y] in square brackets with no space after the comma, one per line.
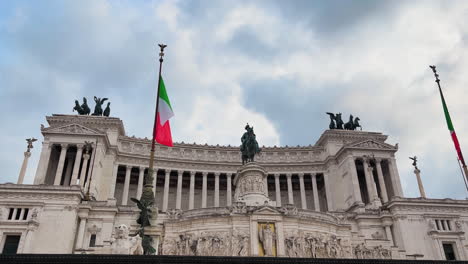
[161,53]
[433,67]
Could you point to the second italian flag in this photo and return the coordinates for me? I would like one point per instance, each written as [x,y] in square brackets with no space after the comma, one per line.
[163,129]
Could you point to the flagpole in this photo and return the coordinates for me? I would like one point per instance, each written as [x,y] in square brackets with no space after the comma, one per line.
[148,194]
[448,119]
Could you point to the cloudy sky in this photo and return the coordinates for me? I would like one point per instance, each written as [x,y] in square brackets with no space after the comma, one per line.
[279,65]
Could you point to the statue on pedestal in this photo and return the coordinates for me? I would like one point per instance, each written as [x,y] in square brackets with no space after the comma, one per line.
[267,237]
[122,243]
[249,145]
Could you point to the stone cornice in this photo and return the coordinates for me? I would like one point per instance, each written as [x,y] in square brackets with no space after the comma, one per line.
[348,136]
[426,205]
[90,121]
[9,191]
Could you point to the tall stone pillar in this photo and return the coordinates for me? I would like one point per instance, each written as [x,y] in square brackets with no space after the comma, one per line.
[27,154]
[395,177]
[126,185]
[216,198]
[76,165]
[354,180]
[113,181]
[290,190]
[417,172]
[383,188]
[204,189]
[326,182]
[155,179]
[303,194]
[43,163]
[179,190]
[370,183]
[192,190]
[315,192]
[141,176]
[167,179]
[83,215]
[84,169]
[229,189]
[58,174]
[277,190]
[68,171]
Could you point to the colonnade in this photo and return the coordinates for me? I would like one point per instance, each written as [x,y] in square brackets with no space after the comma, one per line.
[372,185]
[69,175]
[204,188]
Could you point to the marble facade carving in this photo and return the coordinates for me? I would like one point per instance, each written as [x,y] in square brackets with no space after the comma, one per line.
[311,194]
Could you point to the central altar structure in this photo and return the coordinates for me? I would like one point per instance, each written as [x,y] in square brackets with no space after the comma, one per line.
[340,197]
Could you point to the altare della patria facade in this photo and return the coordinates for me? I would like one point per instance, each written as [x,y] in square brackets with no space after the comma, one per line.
[340,197]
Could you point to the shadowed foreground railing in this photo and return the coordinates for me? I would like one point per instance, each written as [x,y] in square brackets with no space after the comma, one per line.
[121,259]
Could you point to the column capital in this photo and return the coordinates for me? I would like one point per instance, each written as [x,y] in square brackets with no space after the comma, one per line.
[167,171]
[27,154]
[378,160]
[142,168]
[276,175]
[289,175]
[64,145]
[129,167]
[216,174]
[80,146]
[204,173]
[229,174]
[180,172]
[301,175]
[313,174]
[192,173]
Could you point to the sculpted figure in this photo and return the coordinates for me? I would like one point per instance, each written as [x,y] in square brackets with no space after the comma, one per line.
[249,147]
[78,108]
[98,107]
[85,107]
[349,124]
[332,120]
[339,122]
[122,243]
[267,238]
[107,110]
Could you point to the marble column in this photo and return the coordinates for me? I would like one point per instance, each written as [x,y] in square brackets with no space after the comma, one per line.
[81,230]
[354,180]
[315,192]
[84,169]
[383,188]
[277,190]
[303,194]
[229,189]
[76,166]
[126,185]
[290,190]
[59,172]
[388,231]
[326,182]
[43,163]
[420,185]
[113,181]
[216,193]
[155,179]
[204,189]
[167,178]
[68,171]
[266,186]
[370,183]
[27,154]
[179,189]
[395,177]
[141,176]
[192,190]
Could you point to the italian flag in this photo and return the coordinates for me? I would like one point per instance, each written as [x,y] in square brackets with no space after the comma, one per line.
[164,113]
[451,129]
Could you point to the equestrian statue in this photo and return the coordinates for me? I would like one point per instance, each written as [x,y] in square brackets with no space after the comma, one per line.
[337,123]
[84,109]
[249,147]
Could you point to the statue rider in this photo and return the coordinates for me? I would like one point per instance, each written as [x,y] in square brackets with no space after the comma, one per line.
[249,145]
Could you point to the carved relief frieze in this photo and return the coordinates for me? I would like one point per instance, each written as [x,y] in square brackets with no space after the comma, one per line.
[317,245]
[362,251]
[207,243]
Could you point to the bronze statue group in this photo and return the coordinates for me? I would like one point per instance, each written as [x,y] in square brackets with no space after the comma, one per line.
[337,123]
[84,109]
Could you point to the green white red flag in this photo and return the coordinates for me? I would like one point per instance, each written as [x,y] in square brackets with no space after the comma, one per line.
[164,113]
[451,129]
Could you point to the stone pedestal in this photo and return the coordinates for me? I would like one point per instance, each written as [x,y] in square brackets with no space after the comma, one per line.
[250,183]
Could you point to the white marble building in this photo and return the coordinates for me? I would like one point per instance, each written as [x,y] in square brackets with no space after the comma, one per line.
[338,198]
